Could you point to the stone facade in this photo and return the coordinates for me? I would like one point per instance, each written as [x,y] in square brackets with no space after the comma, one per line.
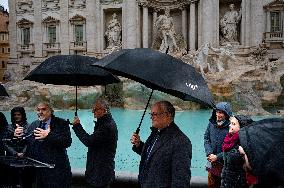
[209,34]
[4,42]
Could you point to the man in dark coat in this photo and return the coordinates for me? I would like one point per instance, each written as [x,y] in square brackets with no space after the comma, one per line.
[215,133]
[166,154]
[51,138]
[101,145]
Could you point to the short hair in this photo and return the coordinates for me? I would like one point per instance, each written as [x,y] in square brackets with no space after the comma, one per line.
[22,111]
[47,105]
[104,104]
[168,107]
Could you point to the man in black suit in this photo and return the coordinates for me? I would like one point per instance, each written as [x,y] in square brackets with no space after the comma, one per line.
[51,138]
[101,145]
[166,154]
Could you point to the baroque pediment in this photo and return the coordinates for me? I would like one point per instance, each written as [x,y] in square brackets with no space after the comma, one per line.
[24,23]
[161,4]
[77,19]
[50,19]
[275,5]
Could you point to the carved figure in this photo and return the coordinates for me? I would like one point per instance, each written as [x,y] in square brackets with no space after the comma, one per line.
[225,54]
[229,23]
[201,59]
[113,32]
[165,25]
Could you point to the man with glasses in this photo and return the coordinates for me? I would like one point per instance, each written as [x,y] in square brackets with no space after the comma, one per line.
[166,154]
[51,137]
[101,145]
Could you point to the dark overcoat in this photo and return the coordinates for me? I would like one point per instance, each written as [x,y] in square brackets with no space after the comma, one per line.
[169,161]
[101,145]
[52,150]
[233,174]
[17,145]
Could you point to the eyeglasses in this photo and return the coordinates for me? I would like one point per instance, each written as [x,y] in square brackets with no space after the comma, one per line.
[41,109]
[96,109]
[152,115]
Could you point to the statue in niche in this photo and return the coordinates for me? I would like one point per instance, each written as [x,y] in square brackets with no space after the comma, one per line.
[229,23]
[113,33]
[165,24]
[226,54]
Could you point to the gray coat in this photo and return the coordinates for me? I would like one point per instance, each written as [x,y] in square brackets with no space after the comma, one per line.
[169,162]
[101,145]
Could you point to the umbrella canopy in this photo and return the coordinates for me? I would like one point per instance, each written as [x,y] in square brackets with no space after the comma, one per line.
[159,71]
[263,142]
[3,91]
[72,70]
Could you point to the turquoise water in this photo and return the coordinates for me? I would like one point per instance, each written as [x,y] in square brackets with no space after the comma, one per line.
[192,123]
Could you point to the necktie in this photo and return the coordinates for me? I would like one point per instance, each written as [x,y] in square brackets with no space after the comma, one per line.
[42,125]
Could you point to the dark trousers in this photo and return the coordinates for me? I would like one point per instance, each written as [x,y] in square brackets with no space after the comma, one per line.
[106,186]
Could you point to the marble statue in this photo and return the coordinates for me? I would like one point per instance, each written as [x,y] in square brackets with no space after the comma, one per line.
[201,59]
[229,23]
[113,33]
[165,25]
[226,53]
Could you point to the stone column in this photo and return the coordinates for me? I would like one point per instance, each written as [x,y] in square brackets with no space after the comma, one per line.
[184,23]
[64,36]
[145,27]
[267,21]
[13,29]
[37,29]
[90,27]
[98,37]
[130,24]
[192,27]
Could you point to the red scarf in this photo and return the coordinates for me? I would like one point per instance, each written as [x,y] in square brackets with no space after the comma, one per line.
[230,141]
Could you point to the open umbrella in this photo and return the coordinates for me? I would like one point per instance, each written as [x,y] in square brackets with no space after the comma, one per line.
[159,71]
[73,70]
[263,142]
[3,91]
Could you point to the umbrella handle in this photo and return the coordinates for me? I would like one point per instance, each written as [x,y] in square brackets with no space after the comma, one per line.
[138,128]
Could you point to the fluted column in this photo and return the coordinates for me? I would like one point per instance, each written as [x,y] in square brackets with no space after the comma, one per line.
[37,29]
[192,27]
[90,29]
[13,39]
[145,27]
[183,23]
[64,35]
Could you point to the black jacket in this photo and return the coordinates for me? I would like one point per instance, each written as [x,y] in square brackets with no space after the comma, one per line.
[233,174]
[169,161]
[15,146]
[52,150]
[101,145]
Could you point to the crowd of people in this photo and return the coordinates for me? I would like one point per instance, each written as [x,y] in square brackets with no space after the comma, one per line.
[165,155]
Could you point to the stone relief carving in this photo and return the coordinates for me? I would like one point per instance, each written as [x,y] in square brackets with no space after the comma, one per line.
[24,6]
[201,59]
[50,5]
[113,34]
[226,54]
[165,36]
[106,2]
[229,25]
[159,4]
[77,3]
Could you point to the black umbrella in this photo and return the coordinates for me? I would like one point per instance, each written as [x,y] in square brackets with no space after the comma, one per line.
[263,142]
[3,91]
[73,70]
[159,71]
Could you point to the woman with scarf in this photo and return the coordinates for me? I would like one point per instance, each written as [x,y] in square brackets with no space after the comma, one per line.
[233,173]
